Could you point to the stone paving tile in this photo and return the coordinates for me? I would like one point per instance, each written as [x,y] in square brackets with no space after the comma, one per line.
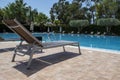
[54,64]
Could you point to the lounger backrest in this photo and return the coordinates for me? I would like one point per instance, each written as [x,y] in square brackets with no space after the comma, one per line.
[18,28]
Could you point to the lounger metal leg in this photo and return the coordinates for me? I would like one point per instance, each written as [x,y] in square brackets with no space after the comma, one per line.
[79,48]
[14,55]
[31,51]
[64,48]
[30,60]
[13,59]
[15,51]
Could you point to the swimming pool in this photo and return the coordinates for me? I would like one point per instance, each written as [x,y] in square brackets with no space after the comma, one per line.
[91,41]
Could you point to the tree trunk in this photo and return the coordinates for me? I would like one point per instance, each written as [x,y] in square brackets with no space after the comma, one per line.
[48,29]
[78,29]
[60,29]
[108,29]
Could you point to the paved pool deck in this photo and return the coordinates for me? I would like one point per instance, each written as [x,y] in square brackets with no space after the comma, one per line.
[54,64]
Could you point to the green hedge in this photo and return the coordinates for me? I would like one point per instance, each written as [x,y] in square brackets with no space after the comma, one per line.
[94,28]
[68,29]
[3,28]
[116,30]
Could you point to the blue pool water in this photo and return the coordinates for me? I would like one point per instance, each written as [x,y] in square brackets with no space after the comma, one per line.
[92,41]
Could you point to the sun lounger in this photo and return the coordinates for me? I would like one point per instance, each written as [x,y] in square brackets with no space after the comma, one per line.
[33,44]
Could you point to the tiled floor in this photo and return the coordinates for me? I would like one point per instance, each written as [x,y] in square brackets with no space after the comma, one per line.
[54,64]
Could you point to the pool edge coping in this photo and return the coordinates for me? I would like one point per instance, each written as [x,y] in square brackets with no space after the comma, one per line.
[99,49]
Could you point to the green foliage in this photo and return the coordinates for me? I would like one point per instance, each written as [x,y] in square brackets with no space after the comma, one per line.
[3,28]
[64,11]
[1,14]
[108,22]
[40,19]
[25,12]
[64,14]
[118,11]
[59,11]
[73,23]
[94,28]
[79,23]
[57,22]
[14,9]
[106,9]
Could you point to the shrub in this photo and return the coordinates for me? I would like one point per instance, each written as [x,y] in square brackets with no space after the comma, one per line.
[108,23]
[79,24]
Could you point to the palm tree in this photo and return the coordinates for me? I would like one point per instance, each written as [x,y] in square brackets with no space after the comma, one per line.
[15,9]
[1,15]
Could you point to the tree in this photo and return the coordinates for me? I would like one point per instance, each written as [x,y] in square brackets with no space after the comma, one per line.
[59,11]
[92,10]
[75,10]
[108,23]
[57,23]
[64,11]
[14,9]
[40,19]
[1,15]
[79,23]
[25,12]
[118,11]
[107,9]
